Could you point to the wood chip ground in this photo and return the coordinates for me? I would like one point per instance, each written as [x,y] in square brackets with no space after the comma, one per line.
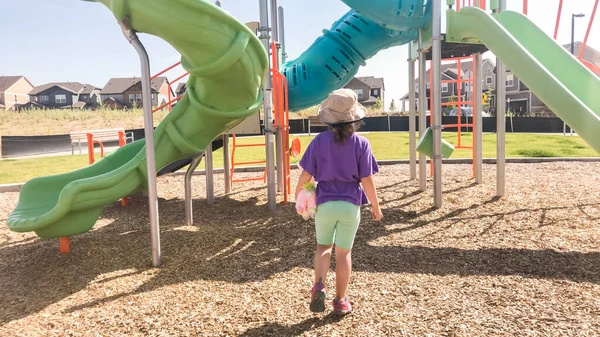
[527,264]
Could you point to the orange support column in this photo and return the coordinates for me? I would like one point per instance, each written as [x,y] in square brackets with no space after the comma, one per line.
[121,144]
[90,144]
[64,245]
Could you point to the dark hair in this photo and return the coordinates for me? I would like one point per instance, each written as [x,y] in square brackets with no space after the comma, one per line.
[344,131]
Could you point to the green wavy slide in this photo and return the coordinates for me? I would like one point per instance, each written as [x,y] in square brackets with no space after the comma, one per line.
[227,66]
[563,83]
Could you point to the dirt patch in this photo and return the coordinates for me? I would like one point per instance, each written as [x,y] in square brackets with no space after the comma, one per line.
[526,264]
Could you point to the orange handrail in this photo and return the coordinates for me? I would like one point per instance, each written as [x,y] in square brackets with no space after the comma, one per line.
[170,101]
[165,70]
[587,33]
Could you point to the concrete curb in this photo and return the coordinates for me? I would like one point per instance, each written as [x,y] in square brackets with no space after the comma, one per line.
[11,187]
[17,187]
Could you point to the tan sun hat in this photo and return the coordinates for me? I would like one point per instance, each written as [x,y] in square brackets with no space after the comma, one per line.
[341,107]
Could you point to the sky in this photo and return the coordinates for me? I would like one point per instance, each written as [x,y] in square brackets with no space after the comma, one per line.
[78,41]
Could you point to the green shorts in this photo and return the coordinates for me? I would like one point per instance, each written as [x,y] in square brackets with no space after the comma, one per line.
[337,221]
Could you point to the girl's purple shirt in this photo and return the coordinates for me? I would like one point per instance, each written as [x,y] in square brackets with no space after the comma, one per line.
[338,167]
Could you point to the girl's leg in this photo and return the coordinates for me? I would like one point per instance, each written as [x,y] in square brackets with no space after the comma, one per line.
[322,262]
[343,268]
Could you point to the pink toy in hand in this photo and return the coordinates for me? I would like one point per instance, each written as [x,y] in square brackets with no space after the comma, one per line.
[306,203]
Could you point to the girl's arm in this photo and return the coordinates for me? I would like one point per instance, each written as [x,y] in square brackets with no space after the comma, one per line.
[369,187]
[304,178]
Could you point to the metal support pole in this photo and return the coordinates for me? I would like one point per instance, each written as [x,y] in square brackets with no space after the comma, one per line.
[149,136]
[500,121]
[436,109]
[226,163]
[189,217]
[268,112]
[478,118]
[281,11]
[210,185]
[412,118]
[422,112]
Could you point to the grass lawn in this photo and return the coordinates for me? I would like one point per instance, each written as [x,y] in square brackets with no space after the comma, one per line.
[386,146]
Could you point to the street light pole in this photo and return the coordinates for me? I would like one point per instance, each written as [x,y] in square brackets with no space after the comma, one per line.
[573,16]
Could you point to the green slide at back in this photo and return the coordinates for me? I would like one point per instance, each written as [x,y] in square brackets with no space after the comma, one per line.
[556,77]
[227,66]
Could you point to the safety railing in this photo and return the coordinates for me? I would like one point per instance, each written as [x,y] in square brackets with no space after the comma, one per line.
[245,163]
[92,158]
[170,100]
[459,103]
[589,65]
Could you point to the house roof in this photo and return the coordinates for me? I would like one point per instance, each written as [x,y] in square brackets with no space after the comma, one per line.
[118,85]
[578,44]
[372,82]
[181,87]
[74,87]
[8,81]
[116,101]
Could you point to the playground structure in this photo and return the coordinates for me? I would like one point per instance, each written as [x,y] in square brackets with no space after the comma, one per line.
[71,203]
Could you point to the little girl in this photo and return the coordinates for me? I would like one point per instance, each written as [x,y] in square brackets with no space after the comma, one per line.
[340,161]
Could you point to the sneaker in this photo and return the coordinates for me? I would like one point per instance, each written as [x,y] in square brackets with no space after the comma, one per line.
[341,306]
[317,298]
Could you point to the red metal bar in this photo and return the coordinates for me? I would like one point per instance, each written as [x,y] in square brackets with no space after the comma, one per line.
[250,162]
[101,148]
[180,77]
[168,103]
[459,105]
[525,6]
[121,138]
[250,145]
[591,66]
[587,34]
[165,70]
[449,126]
[560,5]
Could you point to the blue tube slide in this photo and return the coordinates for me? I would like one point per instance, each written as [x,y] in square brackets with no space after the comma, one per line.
[334,58]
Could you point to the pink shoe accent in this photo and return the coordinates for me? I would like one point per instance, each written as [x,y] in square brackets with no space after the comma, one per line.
[342,306]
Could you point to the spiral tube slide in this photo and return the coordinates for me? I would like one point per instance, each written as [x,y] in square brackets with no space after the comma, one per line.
[227,66]
[334,58]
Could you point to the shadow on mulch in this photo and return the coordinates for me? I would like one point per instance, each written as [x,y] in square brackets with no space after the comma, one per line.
[275,329]
[238,241]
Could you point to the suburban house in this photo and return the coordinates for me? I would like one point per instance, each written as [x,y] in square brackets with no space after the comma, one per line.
[450,91]
[126,92]
[519,99]
[368,89]
[181,88]
[13,91]
[65,95]
[589,54]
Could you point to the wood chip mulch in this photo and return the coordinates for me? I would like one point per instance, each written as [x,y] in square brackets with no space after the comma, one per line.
[527,264]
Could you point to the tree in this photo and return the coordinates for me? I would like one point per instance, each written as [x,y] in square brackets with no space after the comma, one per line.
[377,106]
[452,99]
[393,106]
[487,100]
